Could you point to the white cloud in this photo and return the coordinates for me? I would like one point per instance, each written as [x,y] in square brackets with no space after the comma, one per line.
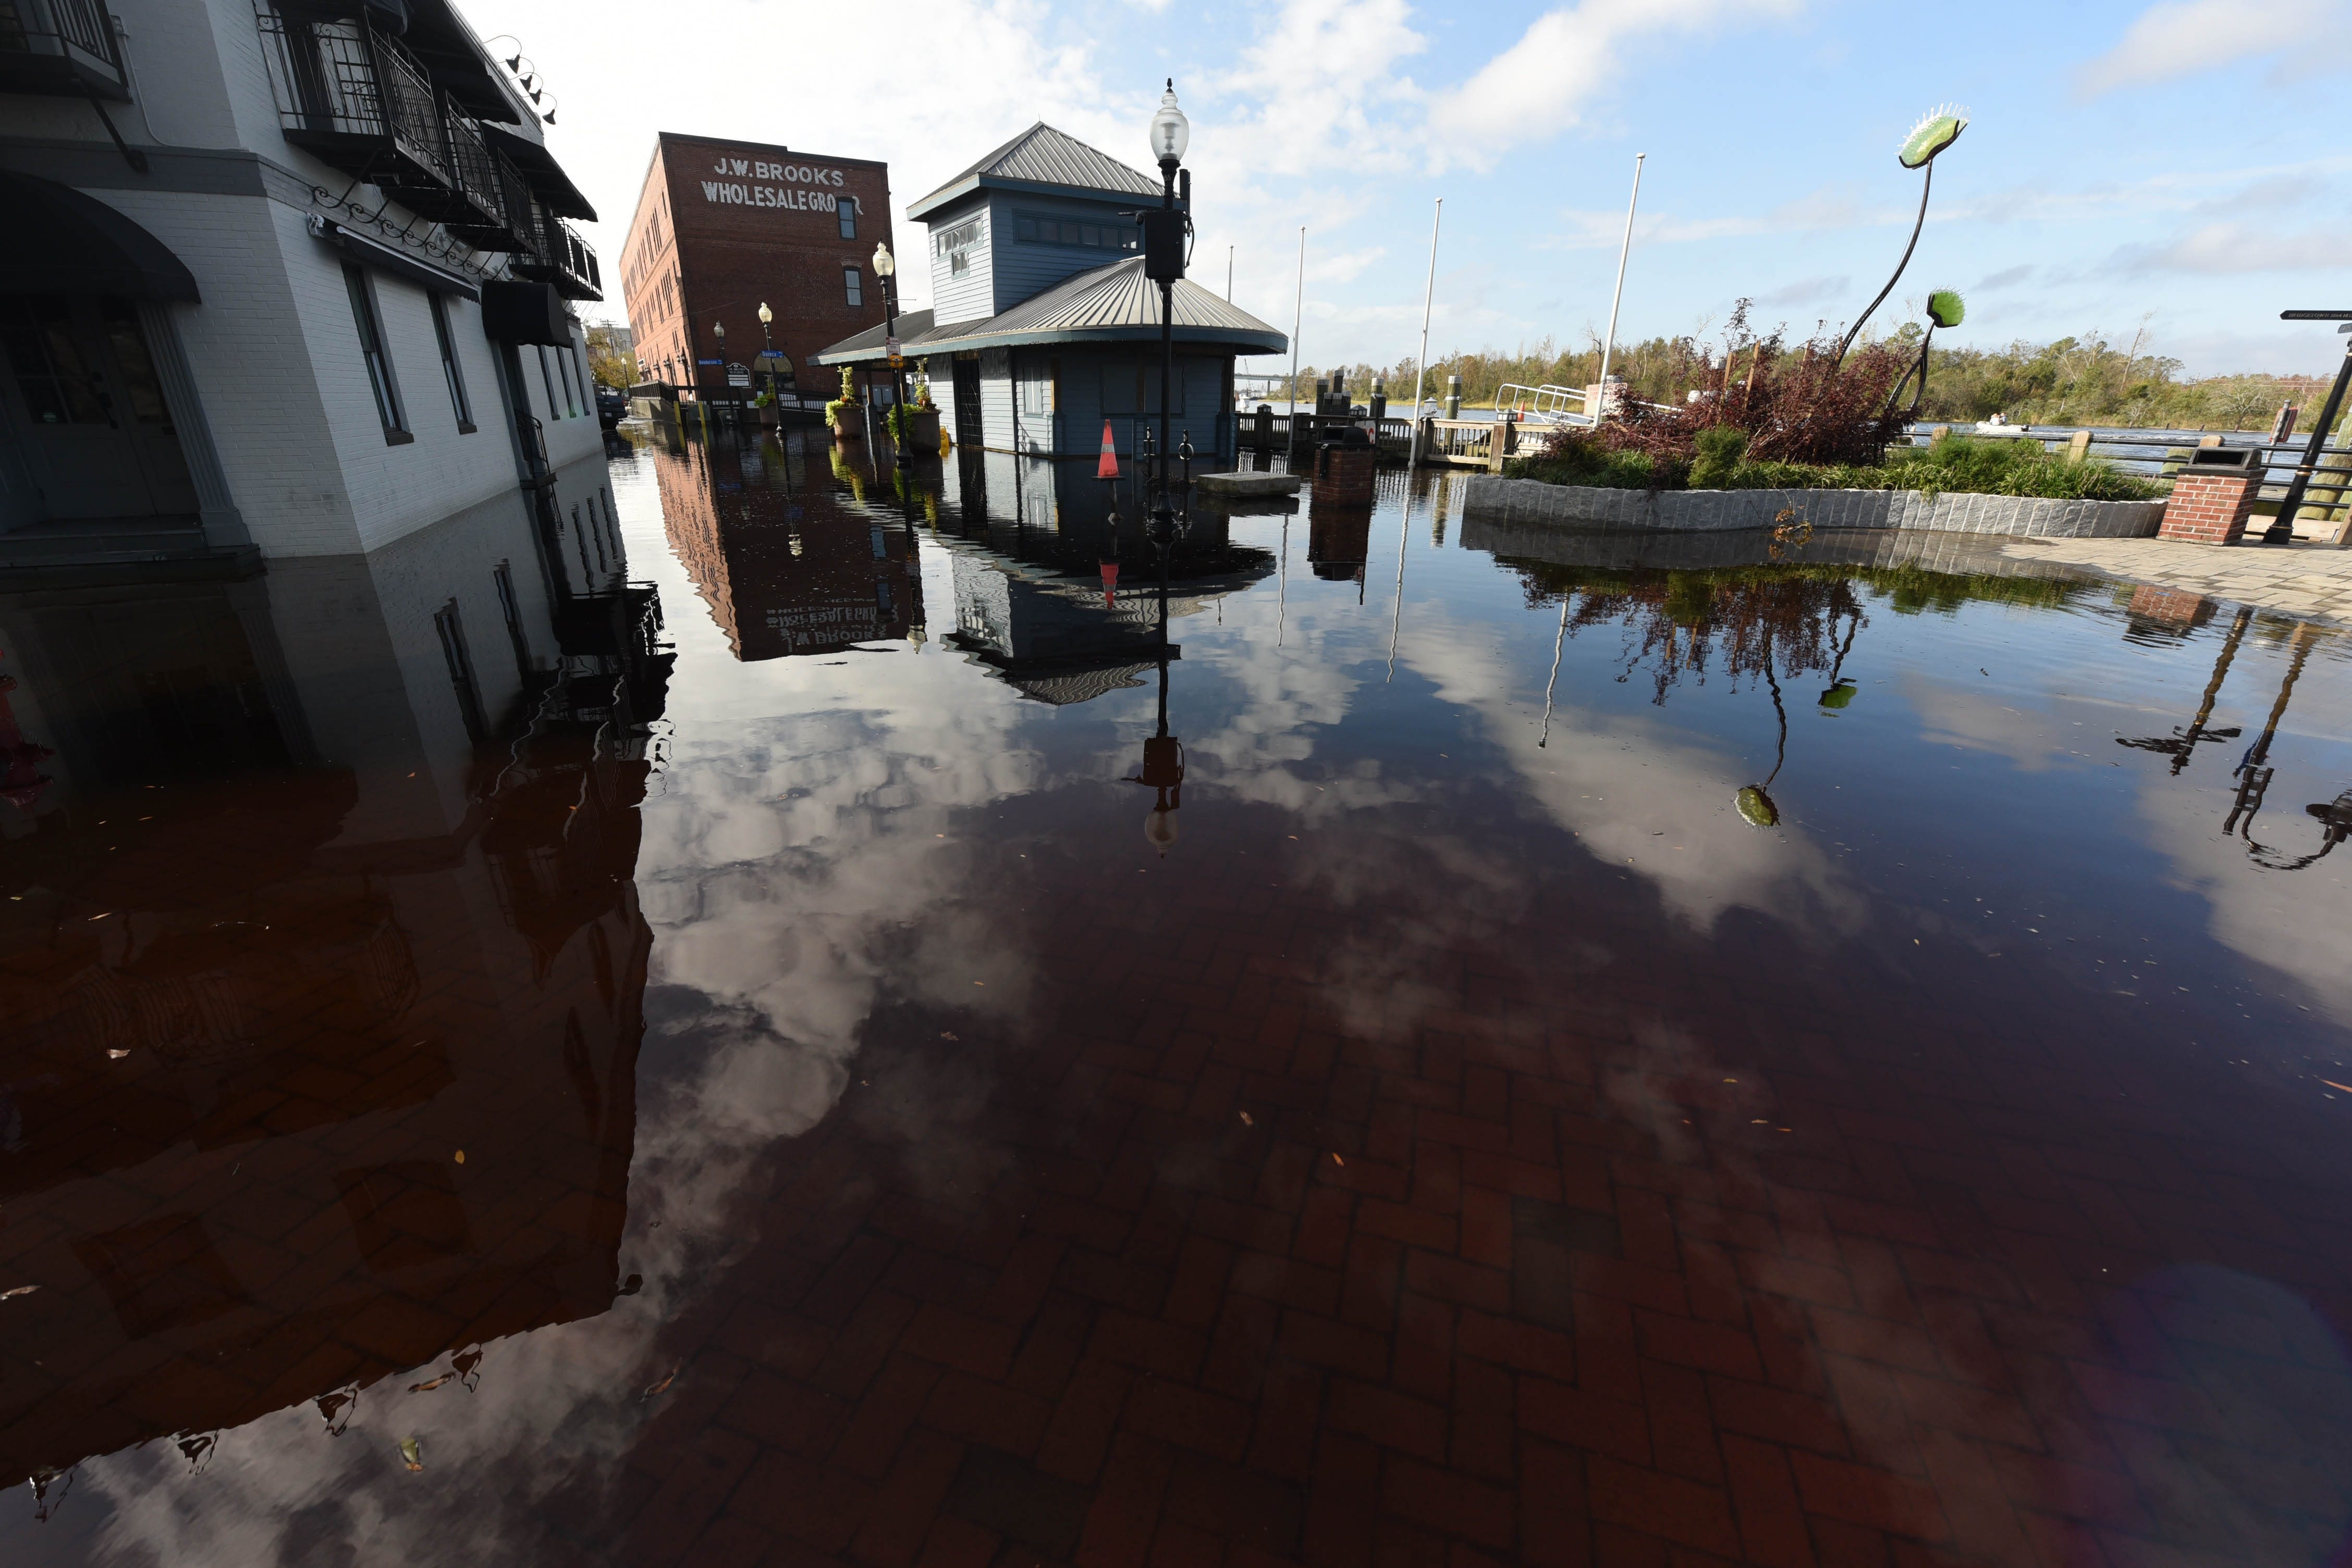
[1817,211]
[2235,248]
[2182,37]
[1540,85]
[1807,291]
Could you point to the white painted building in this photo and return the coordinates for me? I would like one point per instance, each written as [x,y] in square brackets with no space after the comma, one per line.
[284,277]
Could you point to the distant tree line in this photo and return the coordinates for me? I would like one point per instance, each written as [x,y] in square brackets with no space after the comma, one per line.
[2087,380]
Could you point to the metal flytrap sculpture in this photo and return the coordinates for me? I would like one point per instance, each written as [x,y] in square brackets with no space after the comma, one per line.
[1938,130]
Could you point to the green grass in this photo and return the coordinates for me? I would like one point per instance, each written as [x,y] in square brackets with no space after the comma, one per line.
[1960,465]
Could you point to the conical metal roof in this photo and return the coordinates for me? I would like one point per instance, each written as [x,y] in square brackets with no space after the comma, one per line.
[1042,155]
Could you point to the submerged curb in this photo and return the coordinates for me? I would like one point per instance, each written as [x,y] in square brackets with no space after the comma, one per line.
[1709,512]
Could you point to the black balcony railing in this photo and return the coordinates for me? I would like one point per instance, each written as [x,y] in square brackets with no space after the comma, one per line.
[486,181]
[60,46]
[559,257]
[579,278]
[356,97]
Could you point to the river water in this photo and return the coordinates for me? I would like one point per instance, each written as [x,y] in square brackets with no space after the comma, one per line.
[1569,1051]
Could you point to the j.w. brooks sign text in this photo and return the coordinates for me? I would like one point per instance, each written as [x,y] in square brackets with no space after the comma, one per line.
[734,192]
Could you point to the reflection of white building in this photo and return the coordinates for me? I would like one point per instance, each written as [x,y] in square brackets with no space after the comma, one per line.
[279,936]
[318,298]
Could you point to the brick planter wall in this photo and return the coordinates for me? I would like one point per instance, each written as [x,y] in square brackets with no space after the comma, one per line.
[1703,512]
[2210,509]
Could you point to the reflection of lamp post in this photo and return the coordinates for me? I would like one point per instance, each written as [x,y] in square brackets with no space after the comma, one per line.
[2180,745]
[1163,754]
[1940,130]
[768,349]
[2253,769]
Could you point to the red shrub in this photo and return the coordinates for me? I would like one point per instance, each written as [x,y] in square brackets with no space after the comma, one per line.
[1800,407]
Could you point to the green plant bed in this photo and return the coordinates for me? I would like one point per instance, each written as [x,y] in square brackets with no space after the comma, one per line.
[1959,466]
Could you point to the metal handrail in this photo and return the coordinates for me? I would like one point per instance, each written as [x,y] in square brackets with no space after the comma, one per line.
[1545,402]
[75,24]
[2333,459]
[414,109]
[344,77]
[471,160]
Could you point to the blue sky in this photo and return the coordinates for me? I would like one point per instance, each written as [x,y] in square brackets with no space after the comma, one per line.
[2165,168]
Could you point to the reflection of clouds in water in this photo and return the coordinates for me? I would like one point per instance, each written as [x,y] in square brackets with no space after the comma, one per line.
[2291,921]
[1641,795]
[2033,733]
[791,871]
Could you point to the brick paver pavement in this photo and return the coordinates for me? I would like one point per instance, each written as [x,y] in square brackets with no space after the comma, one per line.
[2305,579]
[1182,1271]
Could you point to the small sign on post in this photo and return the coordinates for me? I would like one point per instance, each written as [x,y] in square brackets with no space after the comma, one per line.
[739,375]
[898,359]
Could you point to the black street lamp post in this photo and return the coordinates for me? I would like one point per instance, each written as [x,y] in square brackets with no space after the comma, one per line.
[1164,234]
[768,351]
[886,268]
[1165,231]
[2282,528]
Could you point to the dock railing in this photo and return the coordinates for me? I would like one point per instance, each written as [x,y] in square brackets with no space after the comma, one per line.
[2158,453]
[1546,404]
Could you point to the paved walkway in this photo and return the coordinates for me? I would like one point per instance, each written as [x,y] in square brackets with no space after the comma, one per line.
[2308,579]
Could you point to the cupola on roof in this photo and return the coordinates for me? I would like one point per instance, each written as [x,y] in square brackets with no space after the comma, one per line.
[1042,158]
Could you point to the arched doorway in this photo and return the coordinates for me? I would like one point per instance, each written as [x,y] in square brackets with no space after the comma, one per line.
[86,406]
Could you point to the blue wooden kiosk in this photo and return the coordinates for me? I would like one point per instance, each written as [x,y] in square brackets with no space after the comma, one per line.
[1042,325]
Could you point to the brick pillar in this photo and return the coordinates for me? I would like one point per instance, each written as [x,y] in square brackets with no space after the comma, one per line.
[2209,508]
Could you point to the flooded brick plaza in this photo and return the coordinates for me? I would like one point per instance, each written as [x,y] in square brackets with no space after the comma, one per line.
[1603,1057]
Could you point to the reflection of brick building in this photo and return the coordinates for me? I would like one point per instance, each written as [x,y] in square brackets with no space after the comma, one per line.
[787,564]
[276,947]
[722,226]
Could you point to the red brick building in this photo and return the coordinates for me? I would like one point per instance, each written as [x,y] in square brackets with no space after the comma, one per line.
[722,226]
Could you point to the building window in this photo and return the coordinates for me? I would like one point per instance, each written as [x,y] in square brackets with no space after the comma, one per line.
[450,370]
[58,384]
[571,389]
[503,576]
[379,367]
[1040,228]
[547,380]
[956,245]
[451,627]
[853,285]
[845,210]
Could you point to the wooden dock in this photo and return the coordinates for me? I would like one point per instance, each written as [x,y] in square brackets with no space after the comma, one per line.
[1481,444]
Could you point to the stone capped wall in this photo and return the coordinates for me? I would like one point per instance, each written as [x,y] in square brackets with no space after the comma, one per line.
[1700,511]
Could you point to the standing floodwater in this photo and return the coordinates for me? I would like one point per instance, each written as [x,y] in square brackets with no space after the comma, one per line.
[1606,1046]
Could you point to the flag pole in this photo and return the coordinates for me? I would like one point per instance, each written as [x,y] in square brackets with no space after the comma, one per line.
[1297,319]
[1618,297]
[1420,365]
